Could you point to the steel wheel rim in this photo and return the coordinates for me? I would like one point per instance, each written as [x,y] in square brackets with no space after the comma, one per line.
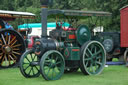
[94,59]
[52,65]
[11,48]
[29,64]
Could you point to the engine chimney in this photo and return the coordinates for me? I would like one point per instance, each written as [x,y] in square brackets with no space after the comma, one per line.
[44,13]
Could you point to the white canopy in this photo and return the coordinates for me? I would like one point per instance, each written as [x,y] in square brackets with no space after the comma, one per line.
[15,14]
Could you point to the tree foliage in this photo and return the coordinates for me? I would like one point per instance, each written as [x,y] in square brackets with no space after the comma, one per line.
[33,6]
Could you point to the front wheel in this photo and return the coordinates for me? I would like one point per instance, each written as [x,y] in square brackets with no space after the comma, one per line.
[52,65]
[93,58]
[29,64]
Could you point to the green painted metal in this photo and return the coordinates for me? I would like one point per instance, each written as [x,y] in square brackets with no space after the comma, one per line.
[106,40]
[52,65]
[93,58]
[29,64]
[72,53]
[83,34]
[108,45]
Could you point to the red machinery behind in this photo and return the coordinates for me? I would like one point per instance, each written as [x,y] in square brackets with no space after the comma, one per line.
[124,26]
[124,31]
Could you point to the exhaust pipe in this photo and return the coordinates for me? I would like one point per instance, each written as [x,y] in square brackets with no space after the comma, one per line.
[44,13]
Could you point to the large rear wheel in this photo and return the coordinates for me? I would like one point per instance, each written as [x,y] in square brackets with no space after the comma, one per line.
[12,46]
[93,58]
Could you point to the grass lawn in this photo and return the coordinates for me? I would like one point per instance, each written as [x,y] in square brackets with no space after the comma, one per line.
[112,75]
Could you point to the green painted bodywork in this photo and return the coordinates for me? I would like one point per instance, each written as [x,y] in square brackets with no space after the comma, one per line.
[72,53]
[83,34]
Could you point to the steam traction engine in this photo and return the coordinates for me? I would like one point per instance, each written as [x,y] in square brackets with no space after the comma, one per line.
[63,50]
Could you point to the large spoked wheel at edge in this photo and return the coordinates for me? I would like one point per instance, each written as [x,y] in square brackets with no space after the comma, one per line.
[12,46]
[93,58]
[52,65]
[29,64]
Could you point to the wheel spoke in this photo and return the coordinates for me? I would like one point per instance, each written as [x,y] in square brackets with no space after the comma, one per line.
[12,58]
[92,46]
[1,54]
[3,59]
[96,65]
[3,39]
[0,57]
[9,39]
[46,63]
[86,54]
[86,64]
[30,71]
[99,63]
[6,61]
[12,40]
[87,59]
[59,62]
[34,57]
[48,71]
[25,63]
[89,51]
[16,49]
[55,71]
[56,58]
[52,56]
[52,73]
[98,57]
[98,52]
[27,59]
[95,50]
[16,53]
[16,45]
[59,68]
[1,42]
[26,68]
[36,68]
[31,57]
[33,71]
